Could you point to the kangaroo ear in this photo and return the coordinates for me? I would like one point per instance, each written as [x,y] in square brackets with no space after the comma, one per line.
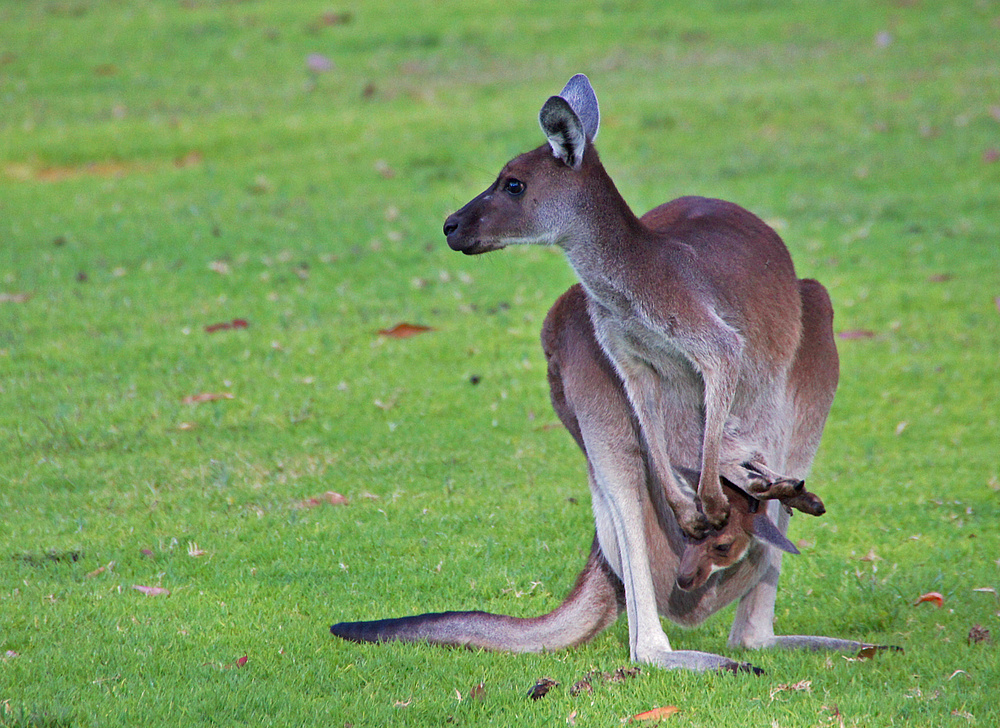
[580,96]
[766,531]
[564,131]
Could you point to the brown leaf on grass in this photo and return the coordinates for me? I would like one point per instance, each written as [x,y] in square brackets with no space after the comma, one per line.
[101,569]
[801,686]
[997,302]
[478,692]
[227,325]
[404,331]
[331,497]
[622,674]
[939,278]
[656,713]
[206,397]
[851,334]
[581,686]
[148,553]
[151,591]
[541,688]
[242,661]
[935,598]
[383,168]
[978,634]
[191,159]
[14,297]
[991,155]
[871,556]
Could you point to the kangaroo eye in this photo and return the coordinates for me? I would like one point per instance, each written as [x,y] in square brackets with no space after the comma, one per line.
[513,187]
[722,548]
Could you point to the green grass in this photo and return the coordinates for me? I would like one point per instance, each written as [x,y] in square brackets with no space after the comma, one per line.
[146,146]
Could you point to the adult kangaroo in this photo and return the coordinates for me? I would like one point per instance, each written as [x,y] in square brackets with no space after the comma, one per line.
[691,350]
[640,560]
[696,304]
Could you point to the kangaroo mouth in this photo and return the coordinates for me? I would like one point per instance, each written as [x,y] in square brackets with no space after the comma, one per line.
[476,247]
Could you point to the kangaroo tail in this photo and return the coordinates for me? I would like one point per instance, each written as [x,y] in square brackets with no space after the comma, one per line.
[595,602]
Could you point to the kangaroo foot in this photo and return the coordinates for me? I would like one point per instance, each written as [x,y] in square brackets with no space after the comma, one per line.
[716,508]
[698,662]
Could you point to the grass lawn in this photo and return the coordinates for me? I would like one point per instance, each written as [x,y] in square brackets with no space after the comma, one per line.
[166,167]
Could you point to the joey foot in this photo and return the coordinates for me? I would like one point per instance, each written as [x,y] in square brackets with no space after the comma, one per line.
[692,522]
[715,507]
[756,479]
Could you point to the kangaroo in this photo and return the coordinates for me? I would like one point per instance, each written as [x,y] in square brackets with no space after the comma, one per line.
[696,304]
[640,560]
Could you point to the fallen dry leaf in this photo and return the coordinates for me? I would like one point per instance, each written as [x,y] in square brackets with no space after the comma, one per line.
[478,692]
[991,155]
[242,661]
[101,569]
[978,634]
[851,334]
[404,331]
[935,598]
[802,685]
[541,688]
[871,556]
[657,713]
[581,686]
[318,63]
[226,325]
[194,551]
[147,553]
[571,718]
[939,278]
[14,297]
[206,397]
[331,497]
[151,591]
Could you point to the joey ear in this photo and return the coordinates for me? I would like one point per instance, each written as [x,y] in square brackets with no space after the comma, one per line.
[766,531]
[580,96]
[564,131]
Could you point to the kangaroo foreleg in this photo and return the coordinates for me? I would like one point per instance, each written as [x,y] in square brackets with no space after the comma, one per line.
[594,603]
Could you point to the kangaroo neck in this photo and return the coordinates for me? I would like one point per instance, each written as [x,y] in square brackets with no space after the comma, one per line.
[606,240]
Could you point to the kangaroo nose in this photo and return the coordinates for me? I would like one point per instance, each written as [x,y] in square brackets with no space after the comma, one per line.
[450,226]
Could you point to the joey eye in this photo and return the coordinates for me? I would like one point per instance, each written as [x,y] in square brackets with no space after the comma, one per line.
[514,187]
[722,548]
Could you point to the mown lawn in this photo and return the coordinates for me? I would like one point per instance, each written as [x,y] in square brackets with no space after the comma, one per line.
[167,167]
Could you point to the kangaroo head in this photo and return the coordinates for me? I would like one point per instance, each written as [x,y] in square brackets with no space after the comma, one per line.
[537,197]
[729,545]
